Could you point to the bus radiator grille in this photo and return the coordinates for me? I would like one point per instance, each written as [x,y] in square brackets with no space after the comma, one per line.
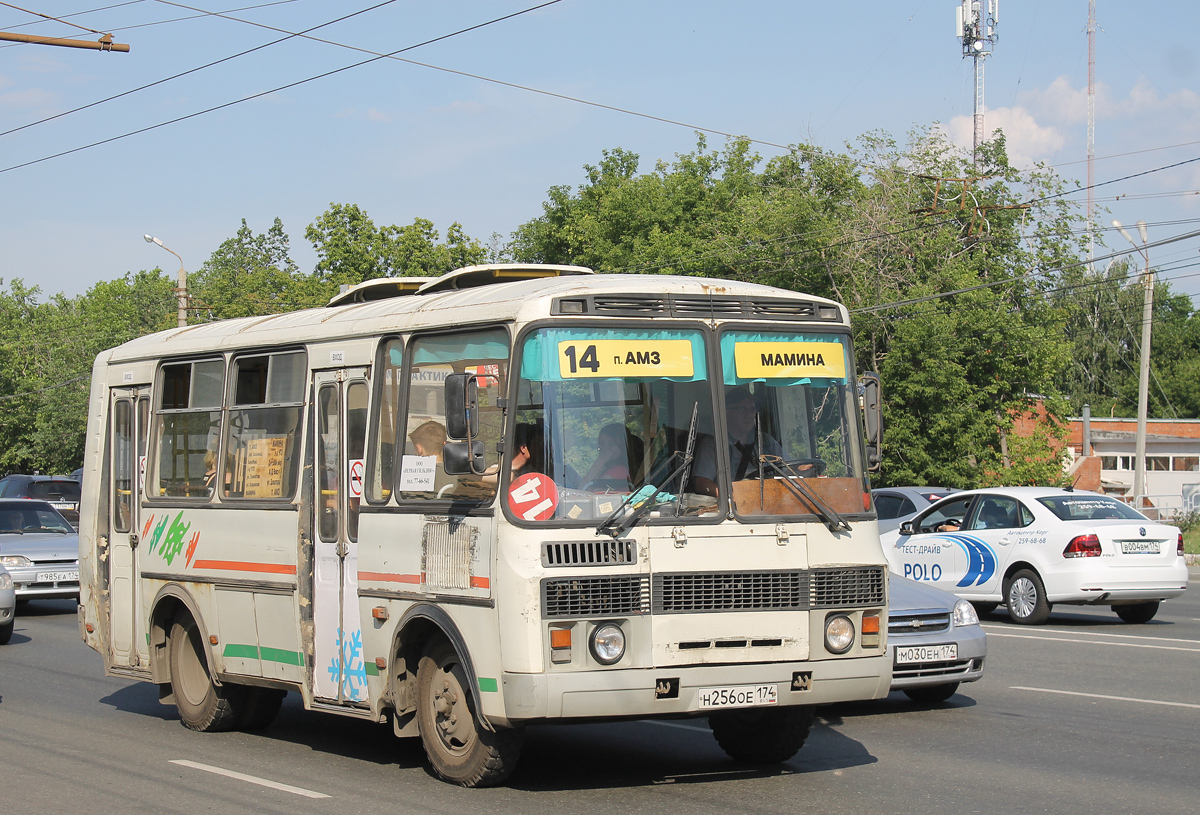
[731,591]
[596,596]
[848,588]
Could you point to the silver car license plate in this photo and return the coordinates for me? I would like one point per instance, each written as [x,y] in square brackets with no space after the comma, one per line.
[738,696]
[59,576]
[908,654]
[1140,547]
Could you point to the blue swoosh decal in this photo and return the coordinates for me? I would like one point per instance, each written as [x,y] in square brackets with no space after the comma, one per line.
[981,559]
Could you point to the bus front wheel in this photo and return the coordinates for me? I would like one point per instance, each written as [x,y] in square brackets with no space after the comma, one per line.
[460,749]
[203,705]
[762,736]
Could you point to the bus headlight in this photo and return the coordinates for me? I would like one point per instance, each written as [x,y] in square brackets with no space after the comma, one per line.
[607,643]
[839,634]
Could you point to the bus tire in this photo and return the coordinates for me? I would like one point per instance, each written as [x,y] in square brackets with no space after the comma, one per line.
[202,704]
[762,736]
[259,708]
[460,749]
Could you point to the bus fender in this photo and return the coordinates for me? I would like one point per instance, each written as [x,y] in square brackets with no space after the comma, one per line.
[406,652]
[166,606]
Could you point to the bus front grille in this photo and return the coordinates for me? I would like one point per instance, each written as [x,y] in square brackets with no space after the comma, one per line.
[848,588]
[730,591]
[596,596]
[589,553]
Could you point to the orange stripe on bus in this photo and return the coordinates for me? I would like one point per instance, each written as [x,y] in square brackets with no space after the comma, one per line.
[384,577]
[238,566]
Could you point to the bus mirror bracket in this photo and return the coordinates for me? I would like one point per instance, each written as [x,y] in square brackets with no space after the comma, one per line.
[462,406]
[873,419]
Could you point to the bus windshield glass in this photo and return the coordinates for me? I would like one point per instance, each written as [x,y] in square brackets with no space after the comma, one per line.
[792,425]
[603,412]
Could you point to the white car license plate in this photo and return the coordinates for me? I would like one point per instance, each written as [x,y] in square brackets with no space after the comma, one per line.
[908,654]
[58,577]
[738,696]
[1140,547]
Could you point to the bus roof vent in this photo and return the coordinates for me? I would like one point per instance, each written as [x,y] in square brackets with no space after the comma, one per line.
[472,276]
[380,288]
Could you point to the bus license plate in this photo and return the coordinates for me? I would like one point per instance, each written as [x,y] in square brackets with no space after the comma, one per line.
[1139,547]
[58,577]
[906,655]
[738,696]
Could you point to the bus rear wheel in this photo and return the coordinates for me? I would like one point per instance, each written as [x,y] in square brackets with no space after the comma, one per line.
[762,736]
[203,705]
[460,749]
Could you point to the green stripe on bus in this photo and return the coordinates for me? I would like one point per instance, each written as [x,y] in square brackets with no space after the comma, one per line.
[279,655]
[488,685]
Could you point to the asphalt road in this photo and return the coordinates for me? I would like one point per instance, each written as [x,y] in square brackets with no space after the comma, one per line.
[1085,714]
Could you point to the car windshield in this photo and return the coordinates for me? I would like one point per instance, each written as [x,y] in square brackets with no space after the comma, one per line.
[1089,508]
[17,518]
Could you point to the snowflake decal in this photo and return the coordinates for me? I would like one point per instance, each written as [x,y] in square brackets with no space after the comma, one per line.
[348,666]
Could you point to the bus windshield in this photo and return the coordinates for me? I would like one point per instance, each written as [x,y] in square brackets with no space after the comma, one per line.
[603,412]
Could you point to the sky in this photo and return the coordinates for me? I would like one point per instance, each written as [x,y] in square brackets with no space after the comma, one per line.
[405,141]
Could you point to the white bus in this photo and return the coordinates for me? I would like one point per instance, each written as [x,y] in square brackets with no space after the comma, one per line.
[488,500]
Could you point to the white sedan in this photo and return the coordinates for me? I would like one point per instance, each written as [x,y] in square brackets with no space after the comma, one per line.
[1032,547]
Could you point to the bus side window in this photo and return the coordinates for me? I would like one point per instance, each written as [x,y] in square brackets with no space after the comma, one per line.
[264,422]
[421,474]
[188,420]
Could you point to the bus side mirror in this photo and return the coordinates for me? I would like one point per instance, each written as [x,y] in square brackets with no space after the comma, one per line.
[462,407]
[464,458]
[873,418]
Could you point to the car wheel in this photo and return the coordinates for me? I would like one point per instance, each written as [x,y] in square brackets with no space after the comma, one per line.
[6,631]
[983,609]
[932,694]
[1138,612]
[762,736]
[203,705]
[1025,597]
[460,749]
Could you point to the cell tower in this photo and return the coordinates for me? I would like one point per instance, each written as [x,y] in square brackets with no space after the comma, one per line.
[977,31]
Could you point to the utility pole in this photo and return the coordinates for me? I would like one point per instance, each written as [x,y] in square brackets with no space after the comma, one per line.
[1139,466]
[977,31]
[1091,131]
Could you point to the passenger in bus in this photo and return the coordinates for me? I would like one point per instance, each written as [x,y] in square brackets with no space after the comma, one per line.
[428,440]
[741,408]
[618,459]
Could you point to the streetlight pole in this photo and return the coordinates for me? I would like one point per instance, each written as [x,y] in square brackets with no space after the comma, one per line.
[1139,465]
[181,290]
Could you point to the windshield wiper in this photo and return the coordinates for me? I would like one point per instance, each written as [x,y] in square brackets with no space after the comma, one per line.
[609,525]
[794,482]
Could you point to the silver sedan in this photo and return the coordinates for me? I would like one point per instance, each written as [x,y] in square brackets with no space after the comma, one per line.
[934,639]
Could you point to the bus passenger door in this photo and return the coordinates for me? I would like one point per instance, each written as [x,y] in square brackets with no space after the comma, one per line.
[129,417]
[339,674]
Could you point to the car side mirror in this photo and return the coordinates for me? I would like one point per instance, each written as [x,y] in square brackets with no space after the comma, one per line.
[462,406]
[873,419]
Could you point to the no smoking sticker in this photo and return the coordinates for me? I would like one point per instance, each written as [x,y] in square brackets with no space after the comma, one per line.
[533,497]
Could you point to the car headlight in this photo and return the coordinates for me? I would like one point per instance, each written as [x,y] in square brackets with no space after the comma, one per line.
[964,614]
[839,634]
[607,643]
[5,581]
[10,561]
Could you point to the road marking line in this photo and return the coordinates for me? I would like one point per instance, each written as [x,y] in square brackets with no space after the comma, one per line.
[676,724]
[262,782]
[1102,696]
[1095,634]
[1099,642]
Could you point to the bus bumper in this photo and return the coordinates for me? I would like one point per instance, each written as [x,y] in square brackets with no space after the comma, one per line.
[649,692]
